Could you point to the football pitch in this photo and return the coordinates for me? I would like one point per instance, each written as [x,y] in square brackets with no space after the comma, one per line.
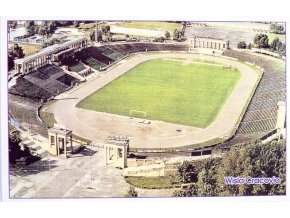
[174,91]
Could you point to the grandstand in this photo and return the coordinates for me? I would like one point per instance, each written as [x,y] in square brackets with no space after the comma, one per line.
[93,63]
[25,111]
[114,55]
[43,83]
[261,114]
[93,52]
[27,89]
[77,67]
[126,49]
[99,58]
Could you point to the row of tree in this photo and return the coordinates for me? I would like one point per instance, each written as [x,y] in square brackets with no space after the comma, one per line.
[277,28]
[262,41]
[46,28]
[278,46]
[254,160]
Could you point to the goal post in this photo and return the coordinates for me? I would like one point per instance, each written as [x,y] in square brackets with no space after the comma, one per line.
[136,113]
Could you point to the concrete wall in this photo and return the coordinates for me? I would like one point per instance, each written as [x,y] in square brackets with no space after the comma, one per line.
[150,170]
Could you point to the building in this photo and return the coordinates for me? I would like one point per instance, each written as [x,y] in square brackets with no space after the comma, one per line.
[209,43]
[48,55]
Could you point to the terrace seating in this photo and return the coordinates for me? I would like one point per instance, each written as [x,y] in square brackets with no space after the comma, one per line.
[100,57]
[77,67]
[257,126]
[51,71]
[25,111]
[28,89]
[97,65]
[143,47]
[261,114]
[268,65]
[68,80]
[93,52]
[259,105]
[44,83]
[271,87]
[277,94]
[268,81]
[114,55]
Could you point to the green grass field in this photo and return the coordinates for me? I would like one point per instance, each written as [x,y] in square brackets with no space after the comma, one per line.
[169,91]
[169,26]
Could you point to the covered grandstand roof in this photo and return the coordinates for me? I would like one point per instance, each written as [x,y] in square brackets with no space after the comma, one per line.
[49,50]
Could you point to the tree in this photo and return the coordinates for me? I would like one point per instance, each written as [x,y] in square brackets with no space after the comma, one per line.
[30,27]
[188,172]
[10,62]
[233,164]
[106,29]
[268,160]
[50,42]
[159,39]
[207,178]
[242,45]
[167,34]
[14,149]
[12,24]
[261,40]
[177,34]
[131,193]
[278,46]
[100,36]
[189,191]
[277,28]
[274,44]
[15,51]
[47,28]
[254,160]
[92,36]
[15,136]
[282,48]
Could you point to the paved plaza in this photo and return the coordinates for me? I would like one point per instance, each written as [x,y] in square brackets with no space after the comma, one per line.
[81,175]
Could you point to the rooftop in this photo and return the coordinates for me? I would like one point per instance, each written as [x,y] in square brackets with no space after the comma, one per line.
[204,37]
[48,50]
[59,130]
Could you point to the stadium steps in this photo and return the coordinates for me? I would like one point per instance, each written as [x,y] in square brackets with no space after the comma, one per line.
[32,146]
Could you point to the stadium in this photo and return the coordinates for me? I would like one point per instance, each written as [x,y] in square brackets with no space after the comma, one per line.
[213,117]
[145,100]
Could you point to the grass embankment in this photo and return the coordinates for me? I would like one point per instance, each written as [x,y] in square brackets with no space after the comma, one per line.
[153,182]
